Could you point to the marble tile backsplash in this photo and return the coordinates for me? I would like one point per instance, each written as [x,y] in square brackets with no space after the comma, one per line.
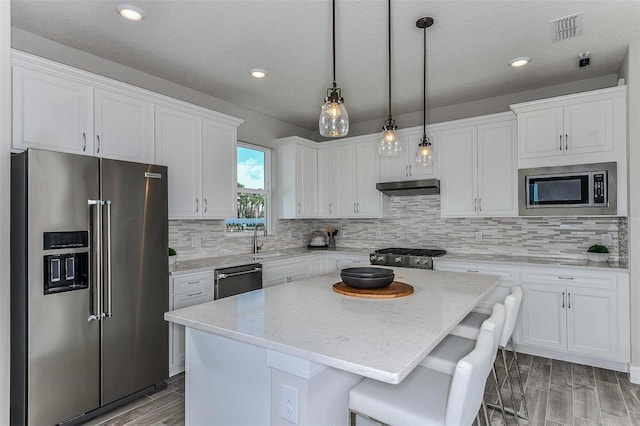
[415,222]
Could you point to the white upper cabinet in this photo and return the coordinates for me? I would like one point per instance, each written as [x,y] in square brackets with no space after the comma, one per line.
[478,168]
[179,147]
[219,180]
[298,178]
[124,127]
[327,182]
[51,112]
[403,166]
[346,185]
[581,128]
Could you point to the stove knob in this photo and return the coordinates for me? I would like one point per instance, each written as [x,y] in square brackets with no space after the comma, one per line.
[380,258]
[372,258]
[398,259]
[419,261]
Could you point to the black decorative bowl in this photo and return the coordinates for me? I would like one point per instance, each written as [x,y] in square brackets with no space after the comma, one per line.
[367,277]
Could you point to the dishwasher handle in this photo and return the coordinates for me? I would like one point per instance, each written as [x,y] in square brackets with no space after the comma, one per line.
[223,276]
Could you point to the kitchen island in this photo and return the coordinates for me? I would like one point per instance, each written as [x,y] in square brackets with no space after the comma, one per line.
[301,342]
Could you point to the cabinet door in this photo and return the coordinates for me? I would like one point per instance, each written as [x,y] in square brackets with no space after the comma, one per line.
[540,133]
[179,147]
[124,127]
[421,172]
[369,199]
[307,180]
[326,182]
[345,188]
[592,322]
[331,263]
[177,331]
[588,127]
[544,318]
[51,113]
[458,172]
[497,170]
[219,183]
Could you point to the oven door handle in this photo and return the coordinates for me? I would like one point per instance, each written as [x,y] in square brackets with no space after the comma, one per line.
[253,271]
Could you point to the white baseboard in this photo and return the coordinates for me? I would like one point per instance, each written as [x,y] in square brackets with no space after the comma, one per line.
[176,369]
[578,359]
[634,374]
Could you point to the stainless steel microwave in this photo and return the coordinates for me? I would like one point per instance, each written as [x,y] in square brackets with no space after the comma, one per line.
[583,190]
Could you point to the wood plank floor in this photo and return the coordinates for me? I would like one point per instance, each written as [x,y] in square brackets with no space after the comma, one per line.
[558,394]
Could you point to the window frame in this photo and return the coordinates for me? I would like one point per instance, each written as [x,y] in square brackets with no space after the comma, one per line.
[266,192]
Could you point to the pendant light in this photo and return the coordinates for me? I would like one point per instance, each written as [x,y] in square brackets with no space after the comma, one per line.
[389,143]
[334,121]
[424,154]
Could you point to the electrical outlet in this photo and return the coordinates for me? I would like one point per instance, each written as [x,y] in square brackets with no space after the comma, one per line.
[478,236]
[196,242]
[607,239]
[289,403]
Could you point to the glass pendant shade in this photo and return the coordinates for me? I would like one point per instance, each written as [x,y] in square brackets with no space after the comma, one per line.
[334,120]
[389,142]
[424,154]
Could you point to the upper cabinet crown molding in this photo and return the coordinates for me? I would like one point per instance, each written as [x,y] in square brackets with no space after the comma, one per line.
[572,99]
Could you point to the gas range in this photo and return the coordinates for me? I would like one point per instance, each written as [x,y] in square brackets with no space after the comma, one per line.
[405,257]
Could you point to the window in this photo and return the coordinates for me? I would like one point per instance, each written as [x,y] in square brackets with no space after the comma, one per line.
[253,172]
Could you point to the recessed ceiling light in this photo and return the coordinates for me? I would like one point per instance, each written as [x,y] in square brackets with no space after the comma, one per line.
[520,62]
[130,12]
[258,73]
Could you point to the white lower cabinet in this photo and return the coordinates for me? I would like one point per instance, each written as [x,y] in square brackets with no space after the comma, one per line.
[185,290]
[578,318]
[284,271]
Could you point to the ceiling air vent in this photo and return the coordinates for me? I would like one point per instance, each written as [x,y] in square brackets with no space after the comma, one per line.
[566,27]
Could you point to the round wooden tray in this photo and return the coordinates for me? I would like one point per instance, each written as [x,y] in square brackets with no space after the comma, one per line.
[395,289]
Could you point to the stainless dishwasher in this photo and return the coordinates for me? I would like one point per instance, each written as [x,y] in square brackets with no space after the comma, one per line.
[236,280]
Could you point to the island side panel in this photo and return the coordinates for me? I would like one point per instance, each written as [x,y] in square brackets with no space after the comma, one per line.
[226,382]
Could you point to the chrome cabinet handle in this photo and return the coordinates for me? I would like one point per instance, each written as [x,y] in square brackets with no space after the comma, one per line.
[480,204]
[563,299]
[358,207]
[194,294]
[197,204]
[253,271]
[107,240]
[475,204]
[206,206]
[560,142]
[194,282]
[84,141]
[406,170]
[566,142]
[473,270]
[569,300]
[330,208]
[299,207]
[354,207]
[410,172]
[337,266]
[565,278]
[98,137]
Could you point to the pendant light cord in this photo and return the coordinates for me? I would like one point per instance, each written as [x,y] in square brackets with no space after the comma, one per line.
[424,87]
[389,59]
[333,20]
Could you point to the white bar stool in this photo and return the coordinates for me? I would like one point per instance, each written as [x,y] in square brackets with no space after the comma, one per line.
[428,397]
[445,356]
[470,326]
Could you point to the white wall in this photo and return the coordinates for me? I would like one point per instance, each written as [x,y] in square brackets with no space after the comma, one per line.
[483,106]
[630,71]
[5,138]
[257,128]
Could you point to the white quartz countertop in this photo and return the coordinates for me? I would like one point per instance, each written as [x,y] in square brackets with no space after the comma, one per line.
[217,262]
[383,339]
[559,262]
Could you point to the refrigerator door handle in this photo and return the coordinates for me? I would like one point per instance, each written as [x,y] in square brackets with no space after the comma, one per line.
[95,276]
[107,260]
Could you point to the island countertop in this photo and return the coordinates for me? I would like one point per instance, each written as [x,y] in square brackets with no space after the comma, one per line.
[383,339]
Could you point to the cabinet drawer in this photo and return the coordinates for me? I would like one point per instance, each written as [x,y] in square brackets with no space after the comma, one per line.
[194,297]
[570,277]
[278,272]
[193,282]
[506,272]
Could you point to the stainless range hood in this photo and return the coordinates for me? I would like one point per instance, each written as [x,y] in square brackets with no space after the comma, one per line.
[410,187]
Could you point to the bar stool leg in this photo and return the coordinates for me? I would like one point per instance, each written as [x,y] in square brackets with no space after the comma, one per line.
[513,398]
[486,416]
[524,399]
[495,379]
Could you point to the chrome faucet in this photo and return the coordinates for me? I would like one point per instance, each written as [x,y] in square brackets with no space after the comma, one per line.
[256,247]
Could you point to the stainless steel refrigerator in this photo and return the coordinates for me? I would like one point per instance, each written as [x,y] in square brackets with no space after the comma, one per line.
[89,284]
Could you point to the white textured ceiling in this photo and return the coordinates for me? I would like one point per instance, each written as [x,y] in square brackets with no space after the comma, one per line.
[210,45]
